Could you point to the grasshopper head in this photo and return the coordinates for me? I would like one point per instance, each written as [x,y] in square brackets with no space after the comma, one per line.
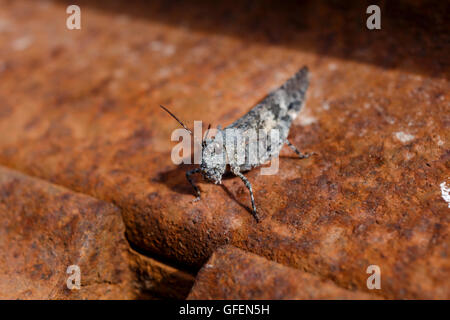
[213,158]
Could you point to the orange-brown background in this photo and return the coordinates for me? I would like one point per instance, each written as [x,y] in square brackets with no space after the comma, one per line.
[79,109]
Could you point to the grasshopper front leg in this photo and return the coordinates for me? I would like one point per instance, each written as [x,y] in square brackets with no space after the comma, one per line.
[188,177]
[249,187]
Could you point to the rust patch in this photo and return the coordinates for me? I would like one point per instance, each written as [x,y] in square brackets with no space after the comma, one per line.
[233,274]
[45,229]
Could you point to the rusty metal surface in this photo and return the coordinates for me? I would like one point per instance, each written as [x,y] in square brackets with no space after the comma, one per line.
[233,274]
[79,108]
[44,229]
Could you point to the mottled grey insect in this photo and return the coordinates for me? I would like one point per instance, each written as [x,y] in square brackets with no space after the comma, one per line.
[274,112]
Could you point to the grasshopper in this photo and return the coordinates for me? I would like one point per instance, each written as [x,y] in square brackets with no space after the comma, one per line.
[275,112]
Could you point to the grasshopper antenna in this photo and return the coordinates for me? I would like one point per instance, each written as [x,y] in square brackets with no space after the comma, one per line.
[207,131]
[173,116]
[206,136]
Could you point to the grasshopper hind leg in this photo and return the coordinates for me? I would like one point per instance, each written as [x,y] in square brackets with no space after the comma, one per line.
[300,155]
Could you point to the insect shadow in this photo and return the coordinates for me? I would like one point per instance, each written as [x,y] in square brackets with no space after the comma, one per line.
[175,180]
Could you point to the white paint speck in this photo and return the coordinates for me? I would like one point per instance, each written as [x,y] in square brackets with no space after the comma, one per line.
[22,43]
[326,106]
[164,48]
[306,120]
[403,137]
[440,142]
[332,66]
[445,192]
